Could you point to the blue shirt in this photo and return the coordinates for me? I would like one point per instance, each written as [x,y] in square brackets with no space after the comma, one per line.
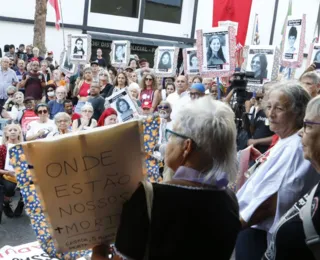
[55,108]
[6,79]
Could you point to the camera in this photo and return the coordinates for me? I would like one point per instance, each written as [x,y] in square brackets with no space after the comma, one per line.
[239,85]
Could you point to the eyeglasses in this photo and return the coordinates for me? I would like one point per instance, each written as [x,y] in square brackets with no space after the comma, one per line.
[307,124]
[195,94]
[169,133]
[10,94]
[163,107]
[62,121]
[60,92]
[42,112]
[149,79]
[87,111]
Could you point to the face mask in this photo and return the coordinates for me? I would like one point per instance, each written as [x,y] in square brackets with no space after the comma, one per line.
[51,94]
[164,115]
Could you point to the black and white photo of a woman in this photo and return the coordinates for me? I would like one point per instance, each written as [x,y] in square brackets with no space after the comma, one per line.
[124,109]
[215,54]
[78,48]
[259,65]
[165,63]
[193,62]
[120,53]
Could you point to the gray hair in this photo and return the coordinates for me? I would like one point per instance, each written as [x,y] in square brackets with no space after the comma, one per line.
[134,86]
[62,115]
[312,75]
[298,96]
[313,108]
[12,88]
[87,106]
[210,124]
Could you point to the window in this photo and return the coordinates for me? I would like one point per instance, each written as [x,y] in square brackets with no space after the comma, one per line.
[164,10]
[127,8]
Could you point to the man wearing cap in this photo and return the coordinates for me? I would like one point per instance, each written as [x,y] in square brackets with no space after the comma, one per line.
[95,71]
[197,90]
[26,116]
[144,67]
[96,101]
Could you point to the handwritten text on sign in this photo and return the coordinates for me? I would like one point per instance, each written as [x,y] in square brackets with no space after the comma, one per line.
[84,180]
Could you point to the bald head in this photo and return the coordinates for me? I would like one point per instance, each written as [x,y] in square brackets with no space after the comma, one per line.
[5,63]
[181,84]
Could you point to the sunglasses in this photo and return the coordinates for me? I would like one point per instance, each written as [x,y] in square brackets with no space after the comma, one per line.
[162,107]
[149,79]
[42,112]
[10,94]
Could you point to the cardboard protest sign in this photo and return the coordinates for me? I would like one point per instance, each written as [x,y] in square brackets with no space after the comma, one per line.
[83,181]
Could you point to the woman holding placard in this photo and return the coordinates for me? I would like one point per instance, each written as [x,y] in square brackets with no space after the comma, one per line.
[82,89]
[12,134]
[194,215]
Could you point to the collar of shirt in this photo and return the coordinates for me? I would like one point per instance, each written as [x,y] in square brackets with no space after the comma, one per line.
[189,174]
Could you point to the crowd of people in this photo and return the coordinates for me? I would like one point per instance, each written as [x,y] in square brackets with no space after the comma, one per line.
[195,214]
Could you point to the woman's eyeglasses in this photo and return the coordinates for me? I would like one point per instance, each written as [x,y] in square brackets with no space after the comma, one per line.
[149,79]
[40,112]
[169,133]
[307,124]
[10,94]
[87,111]
[163,107]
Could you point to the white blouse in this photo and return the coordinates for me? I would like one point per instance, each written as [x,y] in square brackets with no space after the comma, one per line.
[285,172]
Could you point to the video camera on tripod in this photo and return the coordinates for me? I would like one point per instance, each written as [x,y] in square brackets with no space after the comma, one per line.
[239,84]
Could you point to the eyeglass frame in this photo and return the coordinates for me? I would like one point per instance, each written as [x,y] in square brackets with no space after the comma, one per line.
[305,123]
[178,135]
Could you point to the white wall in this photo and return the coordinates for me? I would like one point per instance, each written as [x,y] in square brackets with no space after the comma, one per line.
[204,14]
[72,10]
[17,33]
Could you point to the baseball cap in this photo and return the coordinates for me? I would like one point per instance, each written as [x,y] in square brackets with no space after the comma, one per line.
[50,52]
[94,62]
[129,69]
[28,99]
[199,86]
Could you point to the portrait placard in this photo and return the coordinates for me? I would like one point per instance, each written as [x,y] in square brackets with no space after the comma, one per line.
[66,66]
[120,53]
[216,51]
[190,61]
[121,102]
[80,47]
[83,182]
[165,61]
[293,42]
[314,54]
[263,62]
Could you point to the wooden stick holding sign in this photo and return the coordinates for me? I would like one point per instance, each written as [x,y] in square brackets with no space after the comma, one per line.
[83,181]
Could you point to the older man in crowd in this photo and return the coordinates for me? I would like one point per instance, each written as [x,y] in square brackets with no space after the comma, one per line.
[34,82]
[8,78]
[311,82]
[57,105]
[179,98]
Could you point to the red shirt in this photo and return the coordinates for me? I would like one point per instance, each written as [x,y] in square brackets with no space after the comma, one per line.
[84,90]
[33,86]
[3,155]
[75,116]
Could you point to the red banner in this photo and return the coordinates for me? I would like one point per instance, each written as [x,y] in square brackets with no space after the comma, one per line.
[233,10]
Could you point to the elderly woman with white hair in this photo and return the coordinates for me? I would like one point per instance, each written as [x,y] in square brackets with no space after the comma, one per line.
[105,81]
[194,215]
[86,121]
[134,90]
[63,122]
[282,178]
[289,240]
[11,90]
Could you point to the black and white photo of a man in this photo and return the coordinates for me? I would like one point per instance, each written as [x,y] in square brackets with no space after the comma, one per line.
[292,37]
[79,48]
[120,53]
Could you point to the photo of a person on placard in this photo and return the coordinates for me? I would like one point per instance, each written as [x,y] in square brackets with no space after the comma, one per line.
[120,53]
[259,65]
[165,61]
[78,48]
[317,57]
[193,62]
[292,37]
[67,65]
[215,54]
[124,109]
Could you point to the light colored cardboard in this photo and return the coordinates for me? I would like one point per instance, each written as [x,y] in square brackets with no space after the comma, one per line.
[84,179]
